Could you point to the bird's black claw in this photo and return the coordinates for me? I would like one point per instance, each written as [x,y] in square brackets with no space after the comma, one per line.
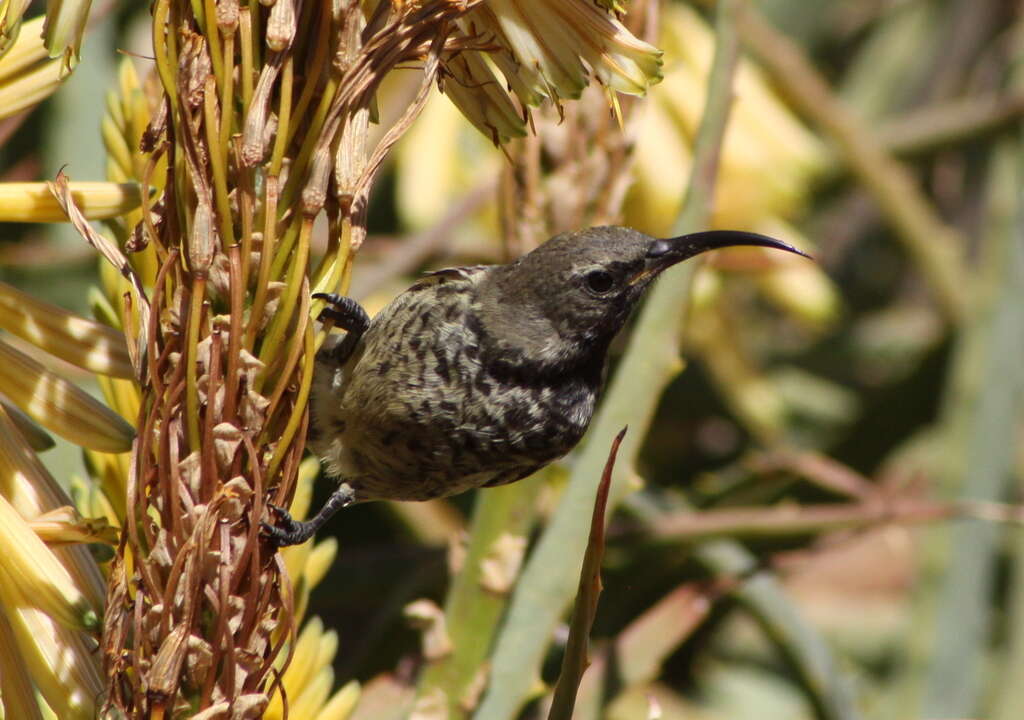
[345,312]
[287,531]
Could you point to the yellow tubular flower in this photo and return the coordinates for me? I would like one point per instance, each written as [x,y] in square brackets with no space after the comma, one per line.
[63,664]
[43,582]
[60,406]
[314,654]
[121,395]
[31,88]
[768,162]
[33,201]
[85,343]
[26,51]
[37,438]
[295,556]
[11,14]
[768,157]
[92,501]
[438,159]
[108,487]
[303,666]
[342,703]
[662,162]
[320,561]
[309,470]
[33,492]
[327,648]
[122,128]
[800,288]
[17,695]
[474,89]
[64,526]
[65,25]
[315,694]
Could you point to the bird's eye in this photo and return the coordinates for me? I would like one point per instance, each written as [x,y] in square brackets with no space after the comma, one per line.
[599,281]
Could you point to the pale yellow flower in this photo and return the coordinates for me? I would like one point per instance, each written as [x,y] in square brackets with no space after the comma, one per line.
[473,88]
[11,12]
[33,201]
[65,26]
[544,49]
[61,406]
[42,582]
[77,340]
[558,46]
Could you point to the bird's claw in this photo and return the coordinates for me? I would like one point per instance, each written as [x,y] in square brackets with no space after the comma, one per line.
[344,312]
[286,531]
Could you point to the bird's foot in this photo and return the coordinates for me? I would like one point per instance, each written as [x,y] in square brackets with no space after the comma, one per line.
[287,530]
[345,312]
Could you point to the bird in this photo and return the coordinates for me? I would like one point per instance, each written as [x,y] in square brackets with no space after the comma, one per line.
[478,376]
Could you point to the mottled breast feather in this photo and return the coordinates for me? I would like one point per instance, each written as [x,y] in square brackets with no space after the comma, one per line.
[459,421]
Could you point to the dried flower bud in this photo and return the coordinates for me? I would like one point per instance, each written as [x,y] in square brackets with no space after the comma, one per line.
[281,25]
[227,17]
[203,240]
[315,192]
[193,69]
[254,134]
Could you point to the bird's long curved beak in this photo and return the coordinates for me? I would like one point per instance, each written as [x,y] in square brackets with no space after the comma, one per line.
[667,252]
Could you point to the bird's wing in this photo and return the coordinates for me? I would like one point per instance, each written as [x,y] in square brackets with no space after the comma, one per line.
[462,273]
[437,277]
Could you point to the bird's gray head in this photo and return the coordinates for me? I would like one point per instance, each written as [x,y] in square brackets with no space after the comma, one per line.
[561,305]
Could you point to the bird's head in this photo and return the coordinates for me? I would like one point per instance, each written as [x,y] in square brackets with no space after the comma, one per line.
[563,302]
